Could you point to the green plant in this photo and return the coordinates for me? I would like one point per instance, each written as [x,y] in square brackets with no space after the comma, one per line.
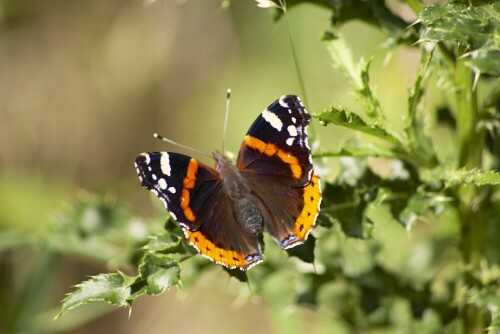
[448,201]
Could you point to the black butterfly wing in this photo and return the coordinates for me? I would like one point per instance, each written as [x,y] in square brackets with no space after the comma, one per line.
[192,193]
[276,160]
[276,143]
[289,213]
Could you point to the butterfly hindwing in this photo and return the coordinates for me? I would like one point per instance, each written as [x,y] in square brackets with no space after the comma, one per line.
[289,212]
[221,237]
[192,193]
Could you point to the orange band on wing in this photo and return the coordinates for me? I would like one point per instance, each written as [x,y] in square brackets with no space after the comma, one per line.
[190,178]
[271,149]
[188,182]
[307,218]
[228,258]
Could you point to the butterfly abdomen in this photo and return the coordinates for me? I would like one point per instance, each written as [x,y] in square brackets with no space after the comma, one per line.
[245,209]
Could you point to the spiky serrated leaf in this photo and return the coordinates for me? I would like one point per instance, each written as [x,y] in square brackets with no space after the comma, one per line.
[165,243]
[238,274]
[356,73]
[375,13]
[348,199]
[358,151]
[452,178]
[110,288]
[484,61]
[417,205]
[160,272]
[97,228]
[347,119]
[477,28]
[414,125]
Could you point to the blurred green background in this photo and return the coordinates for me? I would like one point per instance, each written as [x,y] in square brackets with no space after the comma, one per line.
[85,83]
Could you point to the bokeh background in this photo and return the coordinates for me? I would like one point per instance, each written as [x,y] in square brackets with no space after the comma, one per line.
[85,83]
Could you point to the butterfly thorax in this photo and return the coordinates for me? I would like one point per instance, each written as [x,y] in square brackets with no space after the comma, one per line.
[245,208]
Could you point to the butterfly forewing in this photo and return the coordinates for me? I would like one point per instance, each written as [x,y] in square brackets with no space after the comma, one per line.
[174,177]
[192,193]
[276,143]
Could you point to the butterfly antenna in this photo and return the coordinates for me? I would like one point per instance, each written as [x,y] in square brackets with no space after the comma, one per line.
[189,148]
[228,98]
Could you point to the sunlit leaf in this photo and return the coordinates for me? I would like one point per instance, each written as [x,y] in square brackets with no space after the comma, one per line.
[453,178]
[110,288]
[484,61]
[414,126]
[357,73]
[347,119]
[160,271]
[475,27]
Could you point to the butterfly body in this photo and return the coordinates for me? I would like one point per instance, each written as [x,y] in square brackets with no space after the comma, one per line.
[244,205]
[223,210]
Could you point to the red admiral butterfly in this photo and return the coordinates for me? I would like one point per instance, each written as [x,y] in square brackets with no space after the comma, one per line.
[273,186]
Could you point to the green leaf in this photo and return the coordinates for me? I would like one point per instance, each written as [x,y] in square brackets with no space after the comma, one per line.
[305,252]
[160,271]
[347,201]
[237,273]
[418,141]
[350,120]
[97,228]
[167,243]
[157,273]
[375,13]
[164,242]
[484,61]
[488,300]
[417,205]
[472,26]
[453,178]
[356,150]
[356,74]
[475,27]
[110,288]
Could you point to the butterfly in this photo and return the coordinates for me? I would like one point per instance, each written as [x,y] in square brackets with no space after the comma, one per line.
[224,210]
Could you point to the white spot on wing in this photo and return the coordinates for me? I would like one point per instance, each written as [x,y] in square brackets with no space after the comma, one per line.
[148,158]
[300,102]
[292,130]
[162,183]
[289,141]
[294,120]
[305,139]
[282,102]
[272,119]
[165,164]
[172,190]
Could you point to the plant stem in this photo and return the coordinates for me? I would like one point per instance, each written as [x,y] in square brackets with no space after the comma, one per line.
[467,117]
[469,155]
